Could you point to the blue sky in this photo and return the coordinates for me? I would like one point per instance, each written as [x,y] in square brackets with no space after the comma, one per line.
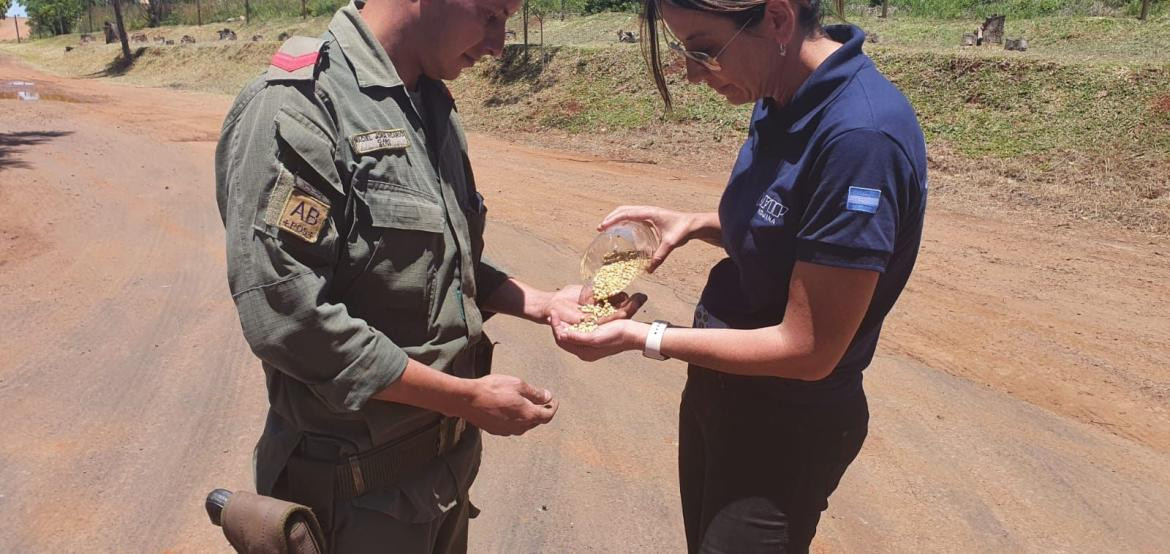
[17,9]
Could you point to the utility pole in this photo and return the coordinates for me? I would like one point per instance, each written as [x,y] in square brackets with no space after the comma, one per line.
[16,20]
[122,32]
[1145,10]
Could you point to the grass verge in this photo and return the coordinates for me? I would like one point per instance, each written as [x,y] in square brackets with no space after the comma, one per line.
[1075,138]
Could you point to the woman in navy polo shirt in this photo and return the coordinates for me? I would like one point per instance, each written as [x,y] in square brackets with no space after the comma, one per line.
[821,220]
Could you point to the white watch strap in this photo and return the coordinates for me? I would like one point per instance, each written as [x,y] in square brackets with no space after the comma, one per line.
[653,348]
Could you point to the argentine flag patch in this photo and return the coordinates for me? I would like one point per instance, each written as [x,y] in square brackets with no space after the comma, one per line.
[863,200]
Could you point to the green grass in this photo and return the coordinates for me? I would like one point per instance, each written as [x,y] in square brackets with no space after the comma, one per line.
[1011,108]
[213,12]
[595,30]
[1086,81]
[1012,8]
[1067,39]
[1078,139]
[584,89]
[989,103]
[208,65]
[1079,124]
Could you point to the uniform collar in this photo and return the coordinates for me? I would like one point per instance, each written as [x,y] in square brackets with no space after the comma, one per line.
[825,83]
[371,65]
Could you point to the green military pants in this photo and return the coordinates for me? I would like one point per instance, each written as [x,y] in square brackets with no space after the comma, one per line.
[426,512]
[360,530]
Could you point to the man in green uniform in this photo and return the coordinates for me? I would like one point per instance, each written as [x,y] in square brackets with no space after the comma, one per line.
[354,243]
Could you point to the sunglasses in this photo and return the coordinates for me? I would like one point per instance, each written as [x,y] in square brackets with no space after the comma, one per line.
[711,63]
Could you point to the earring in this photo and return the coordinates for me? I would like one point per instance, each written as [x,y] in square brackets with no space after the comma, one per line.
[783,50]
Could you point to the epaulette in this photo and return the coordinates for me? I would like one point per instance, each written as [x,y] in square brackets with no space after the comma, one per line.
[296,60]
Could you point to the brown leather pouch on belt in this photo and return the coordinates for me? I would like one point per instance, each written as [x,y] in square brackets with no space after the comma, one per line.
[255,524]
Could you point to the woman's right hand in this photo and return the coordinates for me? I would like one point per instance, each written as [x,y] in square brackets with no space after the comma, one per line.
[674,228]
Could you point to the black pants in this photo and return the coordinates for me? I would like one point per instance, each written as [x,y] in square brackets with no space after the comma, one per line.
[757,464]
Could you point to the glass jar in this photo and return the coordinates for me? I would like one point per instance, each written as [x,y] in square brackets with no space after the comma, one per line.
[626,248]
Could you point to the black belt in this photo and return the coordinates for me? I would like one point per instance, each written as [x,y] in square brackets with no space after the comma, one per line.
[384,466]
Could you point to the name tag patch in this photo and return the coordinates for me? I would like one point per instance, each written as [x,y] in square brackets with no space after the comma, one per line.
[373,141]
[863,200]
[295,207]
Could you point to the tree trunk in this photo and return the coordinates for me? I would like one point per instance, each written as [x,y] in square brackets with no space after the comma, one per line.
[122,32]
[1145,10]
[562,10]
[16,20]
[247,12]
[199,12]
[885,8]
[525,29]
[304,10]
[91,16]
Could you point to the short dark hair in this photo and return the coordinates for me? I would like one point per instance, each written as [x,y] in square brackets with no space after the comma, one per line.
[741,12]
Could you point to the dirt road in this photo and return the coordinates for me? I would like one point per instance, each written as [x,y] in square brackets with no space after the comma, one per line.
[1019,400]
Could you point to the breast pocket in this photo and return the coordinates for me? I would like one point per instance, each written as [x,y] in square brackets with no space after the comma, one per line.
[407,226]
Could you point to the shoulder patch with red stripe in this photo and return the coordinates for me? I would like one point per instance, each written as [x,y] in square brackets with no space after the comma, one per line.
[295,60]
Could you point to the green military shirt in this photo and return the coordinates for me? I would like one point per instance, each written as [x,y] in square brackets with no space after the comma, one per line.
[354,238]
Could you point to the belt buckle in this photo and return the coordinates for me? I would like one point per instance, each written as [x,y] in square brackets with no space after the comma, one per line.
[359,481]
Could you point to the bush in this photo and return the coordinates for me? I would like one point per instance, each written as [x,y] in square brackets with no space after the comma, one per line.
[597,6]
[53,17]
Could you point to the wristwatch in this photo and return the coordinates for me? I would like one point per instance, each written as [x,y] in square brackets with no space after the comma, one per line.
[653,348]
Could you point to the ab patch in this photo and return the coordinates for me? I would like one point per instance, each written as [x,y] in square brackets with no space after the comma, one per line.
[303,216]
[295,207]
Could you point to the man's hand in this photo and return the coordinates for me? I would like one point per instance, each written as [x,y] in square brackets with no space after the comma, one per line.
[505,405]
[566,303]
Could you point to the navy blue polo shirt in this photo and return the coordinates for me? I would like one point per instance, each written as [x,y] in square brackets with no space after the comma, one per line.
[837,177]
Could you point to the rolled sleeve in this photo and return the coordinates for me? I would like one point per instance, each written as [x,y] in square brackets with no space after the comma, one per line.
[854,210]
[281,282]
[340,358]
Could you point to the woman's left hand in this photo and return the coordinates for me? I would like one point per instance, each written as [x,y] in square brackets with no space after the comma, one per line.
[608,339]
